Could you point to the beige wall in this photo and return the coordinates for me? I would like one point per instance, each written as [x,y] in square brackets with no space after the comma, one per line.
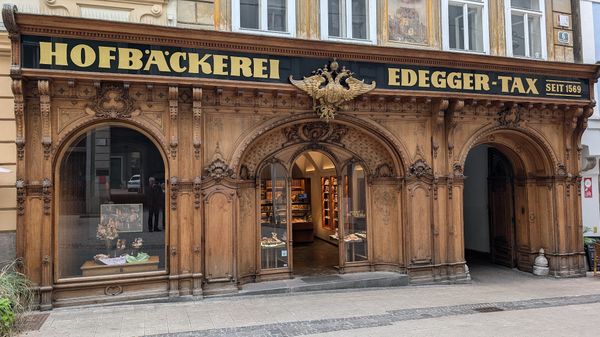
[8,214]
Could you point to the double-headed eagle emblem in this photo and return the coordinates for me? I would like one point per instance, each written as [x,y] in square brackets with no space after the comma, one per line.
[330,88]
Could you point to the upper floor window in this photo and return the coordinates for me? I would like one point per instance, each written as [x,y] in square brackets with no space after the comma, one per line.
[525,28]
[465,25]
[349,20]
[266,16]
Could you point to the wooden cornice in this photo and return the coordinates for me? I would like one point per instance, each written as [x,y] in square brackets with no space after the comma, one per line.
[171,36]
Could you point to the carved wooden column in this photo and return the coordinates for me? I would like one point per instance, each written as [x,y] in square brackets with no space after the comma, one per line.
[19,108]
[174,186]
[439,188]
[47,196]
[197,187]
[454,185]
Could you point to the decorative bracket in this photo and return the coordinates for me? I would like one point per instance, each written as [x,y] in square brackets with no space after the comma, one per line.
[197,120]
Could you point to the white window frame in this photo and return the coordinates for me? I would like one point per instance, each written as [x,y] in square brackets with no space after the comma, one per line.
[347,15]
[485,25]
[263,19]
[508,10]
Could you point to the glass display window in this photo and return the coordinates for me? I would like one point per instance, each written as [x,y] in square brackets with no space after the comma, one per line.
[355,208]
[111,199]
[274,217]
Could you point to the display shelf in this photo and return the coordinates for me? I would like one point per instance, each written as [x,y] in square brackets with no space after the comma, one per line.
[329,200]
[302,226]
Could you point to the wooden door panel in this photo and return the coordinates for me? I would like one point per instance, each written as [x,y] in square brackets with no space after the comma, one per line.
[501,209]
[219,237]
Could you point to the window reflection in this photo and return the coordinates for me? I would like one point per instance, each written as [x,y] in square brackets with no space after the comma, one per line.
[111,181]
[274,206]
[355,226]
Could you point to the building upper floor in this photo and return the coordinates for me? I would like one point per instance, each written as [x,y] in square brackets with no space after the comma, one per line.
[536,29]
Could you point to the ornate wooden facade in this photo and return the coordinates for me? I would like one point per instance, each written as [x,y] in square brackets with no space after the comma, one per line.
[214,135]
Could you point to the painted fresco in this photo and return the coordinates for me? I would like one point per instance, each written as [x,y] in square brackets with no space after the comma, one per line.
[407,21]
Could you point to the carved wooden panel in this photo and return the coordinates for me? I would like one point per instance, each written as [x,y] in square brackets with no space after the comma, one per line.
[358,142]
[247,242]
[218,236]
[385,211]
[419,211]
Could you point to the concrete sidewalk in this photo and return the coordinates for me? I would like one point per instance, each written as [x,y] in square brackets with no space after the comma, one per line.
[507,301]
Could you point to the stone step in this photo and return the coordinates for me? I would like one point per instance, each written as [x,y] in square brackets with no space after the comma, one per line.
[326,282]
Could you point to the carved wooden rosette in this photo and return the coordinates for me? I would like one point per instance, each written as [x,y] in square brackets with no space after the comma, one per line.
[44,92]
[19,107]
[197,121]
[173,112]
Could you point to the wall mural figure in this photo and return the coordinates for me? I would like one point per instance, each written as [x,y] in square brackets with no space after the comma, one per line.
[407,21]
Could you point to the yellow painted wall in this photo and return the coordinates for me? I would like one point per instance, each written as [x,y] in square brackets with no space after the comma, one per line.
[8,213]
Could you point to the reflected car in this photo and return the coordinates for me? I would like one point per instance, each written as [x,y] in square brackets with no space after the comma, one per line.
[133,184]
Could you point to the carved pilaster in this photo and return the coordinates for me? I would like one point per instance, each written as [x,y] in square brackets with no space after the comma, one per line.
[454,108]
[173,112]
[197,121]
[197,189]
[19,107]
[44,91]
[47,196]
[20,185]
[174,190]
[438,110]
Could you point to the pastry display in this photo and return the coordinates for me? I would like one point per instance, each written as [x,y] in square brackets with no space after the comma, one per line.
[352,238]
[271,242]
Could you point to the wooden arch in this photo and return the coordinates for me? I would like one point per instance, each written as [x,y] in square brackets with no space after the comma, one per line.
[529,153]
[382,157]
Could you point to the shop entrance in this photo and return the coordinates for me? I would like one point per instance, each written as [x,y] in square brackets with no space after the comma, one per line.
[489,208]
[314,214]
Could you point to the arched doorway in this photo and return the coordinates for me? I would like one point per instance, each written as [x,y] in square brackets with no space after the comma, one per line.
[489,208]
[519,177]
[315,212]
[346,165]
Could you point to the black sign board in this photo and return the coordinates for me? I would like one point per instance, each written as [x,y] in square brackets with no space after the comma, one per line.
[40,52]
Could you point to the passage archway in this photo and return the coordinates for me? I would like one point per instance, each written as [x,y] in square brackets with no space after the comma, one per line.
[489,208]
[512,184]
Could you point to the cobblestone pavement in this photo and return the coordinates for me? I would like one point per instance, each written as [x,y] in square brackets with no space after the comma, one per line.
[499,302]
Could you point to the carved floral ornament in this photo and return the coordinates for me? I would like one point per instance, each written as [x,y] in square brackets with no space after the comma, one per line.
[112,101]
[330,88]
[510,117]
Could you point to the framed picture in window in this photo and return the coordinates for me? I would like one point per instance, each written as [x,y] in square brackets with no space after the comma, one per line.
[408,21]
[127,217]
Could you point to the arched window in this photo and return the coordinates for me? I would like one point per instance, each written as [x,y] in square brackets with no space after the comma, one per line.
[111,205]
[355,208]
[274,217]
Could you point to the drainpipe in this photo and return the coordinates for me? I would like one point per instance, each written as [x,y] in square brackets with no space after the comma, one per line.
[576,22]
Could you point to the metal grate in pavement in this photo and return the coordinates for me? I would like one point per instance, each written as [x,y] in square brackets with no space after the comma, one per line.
[488,309]
[34,322]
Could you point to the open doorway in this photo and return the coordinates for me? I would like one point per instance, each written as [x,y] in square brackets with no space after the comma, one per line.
[489,216]
[314,215]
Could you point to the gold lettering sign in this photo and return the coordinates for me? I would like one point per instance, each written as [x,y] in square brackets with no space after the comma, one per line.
[108,57]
